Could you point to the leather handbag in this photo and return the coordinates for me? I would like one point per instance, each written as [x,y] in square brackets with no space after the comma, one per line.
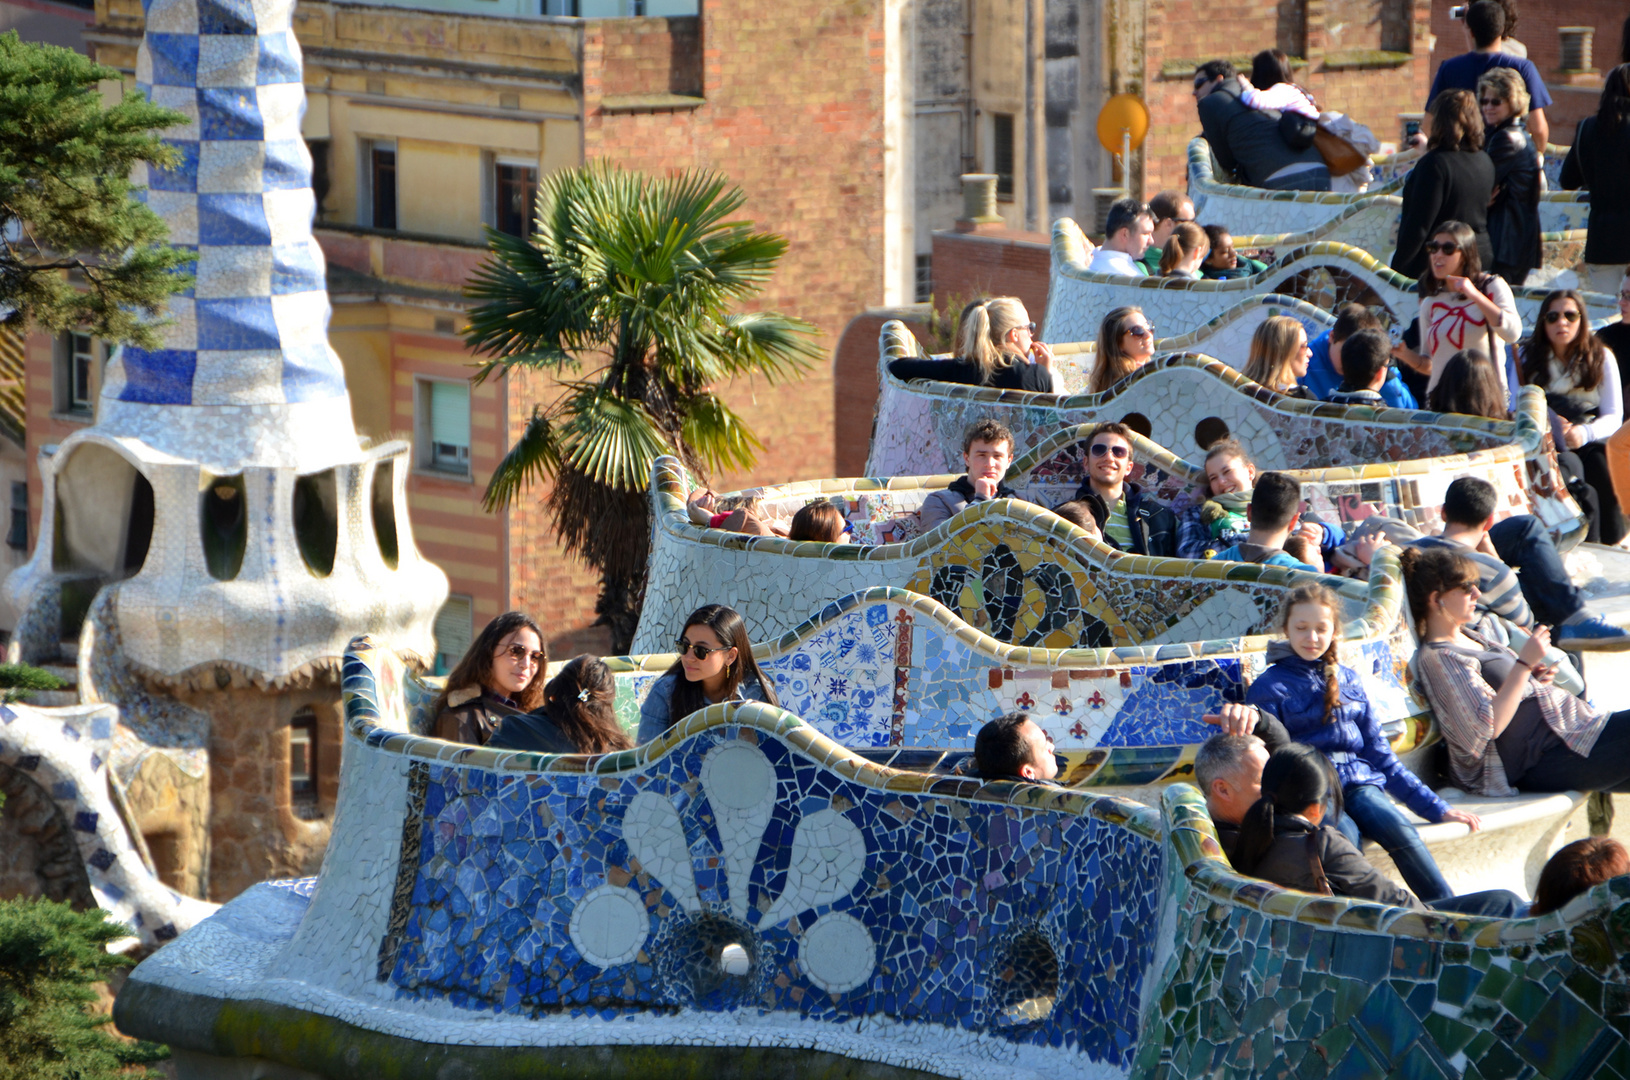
[1340,156]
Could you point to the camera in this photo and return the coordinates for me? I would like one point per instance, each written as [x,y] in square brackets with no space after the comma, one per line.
[1458,12]
[1412,128]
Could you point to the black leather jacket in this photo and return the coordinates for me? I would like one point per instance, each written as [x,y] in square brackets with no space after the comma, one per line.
[1513,217]
[1154,527]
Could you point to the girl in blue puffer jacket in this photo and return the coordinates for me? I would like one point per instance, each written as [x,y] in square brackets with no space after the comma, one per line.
[1323,705]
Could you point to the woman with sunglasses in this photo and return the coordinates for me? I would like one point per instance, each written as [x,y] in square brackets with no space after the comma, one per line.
[1580,378]
[1508,726]
[1279,356]
[498,677]
[1514,214]
[1126,342]
[1461,307]
[998,347]
[715,664]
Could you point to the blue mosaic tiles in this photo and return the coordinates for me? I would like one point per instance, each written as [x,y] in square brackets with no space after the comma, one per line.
[848,900]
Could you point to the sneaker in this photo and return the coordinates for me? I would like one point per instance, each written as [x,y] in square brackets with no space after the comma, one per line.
[1591,632]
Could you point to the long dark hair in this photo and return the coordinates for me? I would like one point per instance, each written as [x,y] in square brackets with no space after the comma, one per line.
[1469,385]
[1614,108]
[1325,598]
[1433,570]
[1268,67]
[1585,355]
[475,669]
[1295,778]
[579,701]
[731,629]
[1471,259]
[1110,366]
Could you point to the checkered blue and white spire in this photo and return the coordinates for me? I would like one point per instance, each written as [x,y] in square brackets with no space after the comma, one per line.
[245,374]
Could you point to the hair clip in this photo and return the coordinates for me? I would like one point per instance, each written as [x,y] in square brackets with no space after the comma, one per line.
[582,695]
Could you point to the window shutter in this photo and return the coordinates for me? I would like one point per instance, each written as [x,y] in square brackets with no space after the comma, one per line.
[453,633]
[450,413]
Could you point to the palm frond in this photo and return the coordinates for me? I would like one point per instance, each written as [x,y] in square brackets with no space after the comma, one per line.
[534,457]
[716,435]
[610,439]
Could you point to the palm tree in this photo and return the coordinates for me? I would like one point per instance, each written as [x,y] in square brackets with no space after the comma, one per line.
[624,295]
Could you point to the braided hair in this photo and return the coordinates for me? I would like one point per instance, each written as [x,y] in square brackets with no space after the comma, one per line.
[1323,596]
[1295,778]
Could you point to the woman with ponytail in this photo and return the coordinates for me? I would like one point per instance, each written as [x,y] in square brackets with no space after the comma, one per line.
[576,718]
[997,347]
[1324,705]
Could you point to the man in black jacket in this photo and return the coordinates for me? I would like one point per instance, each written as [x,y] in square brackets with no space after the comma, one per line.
[1127,521]
[1247,142]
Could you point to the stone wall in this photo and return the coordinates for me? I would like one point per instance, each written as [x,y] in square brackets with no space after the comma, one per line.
[38,856]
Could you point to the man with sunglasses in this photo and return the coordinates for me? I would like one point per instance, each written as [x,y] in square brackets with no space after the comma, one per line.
[1127,521]
[987,450]
[1246,141]
[1169,210]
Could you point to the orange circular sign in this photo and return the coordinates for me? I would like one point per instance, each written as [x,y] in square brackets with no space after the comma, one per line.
[1122,113]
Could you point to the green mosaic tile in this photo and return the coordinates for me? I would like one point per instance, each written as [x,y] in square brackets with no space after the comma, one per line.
[1495,982]
[1592,946]
[1414,960]
[1500,1062]
[1333,1044]
[1388,1023]
[1361,956]
[1418,1064]
[1457,983]
[1564,1035]
[1420,997]
[1357,1065]
[1451,1036]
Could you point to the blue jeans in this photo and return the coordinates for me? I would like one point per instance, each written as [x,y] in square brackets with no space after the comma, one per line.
[1372,813]
[1495,904]
[1314,179]
[1524,545]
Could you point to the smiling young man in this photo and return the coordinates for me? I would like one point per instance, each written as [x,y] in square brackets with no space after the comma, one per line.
[1127,521]
[987,451]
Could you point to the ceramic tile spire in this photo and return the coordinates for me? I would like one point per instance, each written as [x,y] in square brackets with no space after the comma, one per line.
[246,352]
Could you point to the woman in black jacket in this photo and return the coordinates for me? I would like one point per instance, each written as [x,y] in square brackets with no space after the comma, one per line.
[1599,162]
[1514,214]
[1453,181]
[998,348]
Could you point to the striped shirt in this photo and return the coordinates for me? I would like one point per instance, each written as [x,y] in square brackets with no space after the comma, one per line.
[1463,702]
[1501,594]
[1117,528]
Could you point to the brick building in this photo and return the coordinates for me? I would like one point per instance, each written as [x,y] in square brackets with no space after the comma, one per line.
[427,125]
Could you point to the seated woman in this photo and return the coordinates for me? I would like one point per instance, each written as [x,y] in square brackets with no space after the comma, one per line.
[715,664]
[1580,377]
[1217,520]
[497,678]
[997,348]
[1279,356]
[1126,342]
[706,509]
[1284,838]
[1507,727]
[820,522]
[576,717]
[1470,386]
[1186,248]
[1224,262]
[1576,869]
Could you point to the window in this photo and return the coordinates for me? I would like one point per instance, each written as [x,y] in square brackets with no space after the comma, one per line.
[319,172]
[515,189]
[444,426]
[18,536]
[379,183]
[453,633]
[1002,152]
[607,9]
[925,278]
[303,763]
[80,359]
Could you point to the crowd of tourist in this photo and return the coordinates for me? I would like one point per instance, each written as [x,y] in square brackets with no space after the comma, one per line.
[1300,772]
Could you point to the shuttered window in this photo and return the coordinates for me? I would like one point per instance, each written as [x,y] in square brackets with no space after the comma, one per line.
[453,633]
[444,417]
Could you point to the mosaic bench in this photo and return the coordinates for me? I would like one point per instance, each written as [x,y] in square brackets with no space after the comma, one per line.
[1323,272]
[1259,980]
[740,893]
[1185,402]
[1248,210]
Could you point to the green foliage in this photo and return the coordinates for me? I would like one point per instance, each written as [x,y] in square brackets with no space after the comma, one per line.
[18,681]
[87,254]
[50,958]
[625,293]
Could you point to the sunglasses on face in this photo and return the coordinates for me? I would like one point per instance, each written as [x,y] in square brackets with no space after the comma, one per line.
[1561,316]
[1140,331]
[1117,451]
[1490,103]
[1442,248]
[522,653]
[701,652]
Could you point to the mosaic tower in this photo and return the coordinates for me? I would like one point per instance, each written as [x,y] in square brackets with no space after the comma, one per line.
[211,543]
